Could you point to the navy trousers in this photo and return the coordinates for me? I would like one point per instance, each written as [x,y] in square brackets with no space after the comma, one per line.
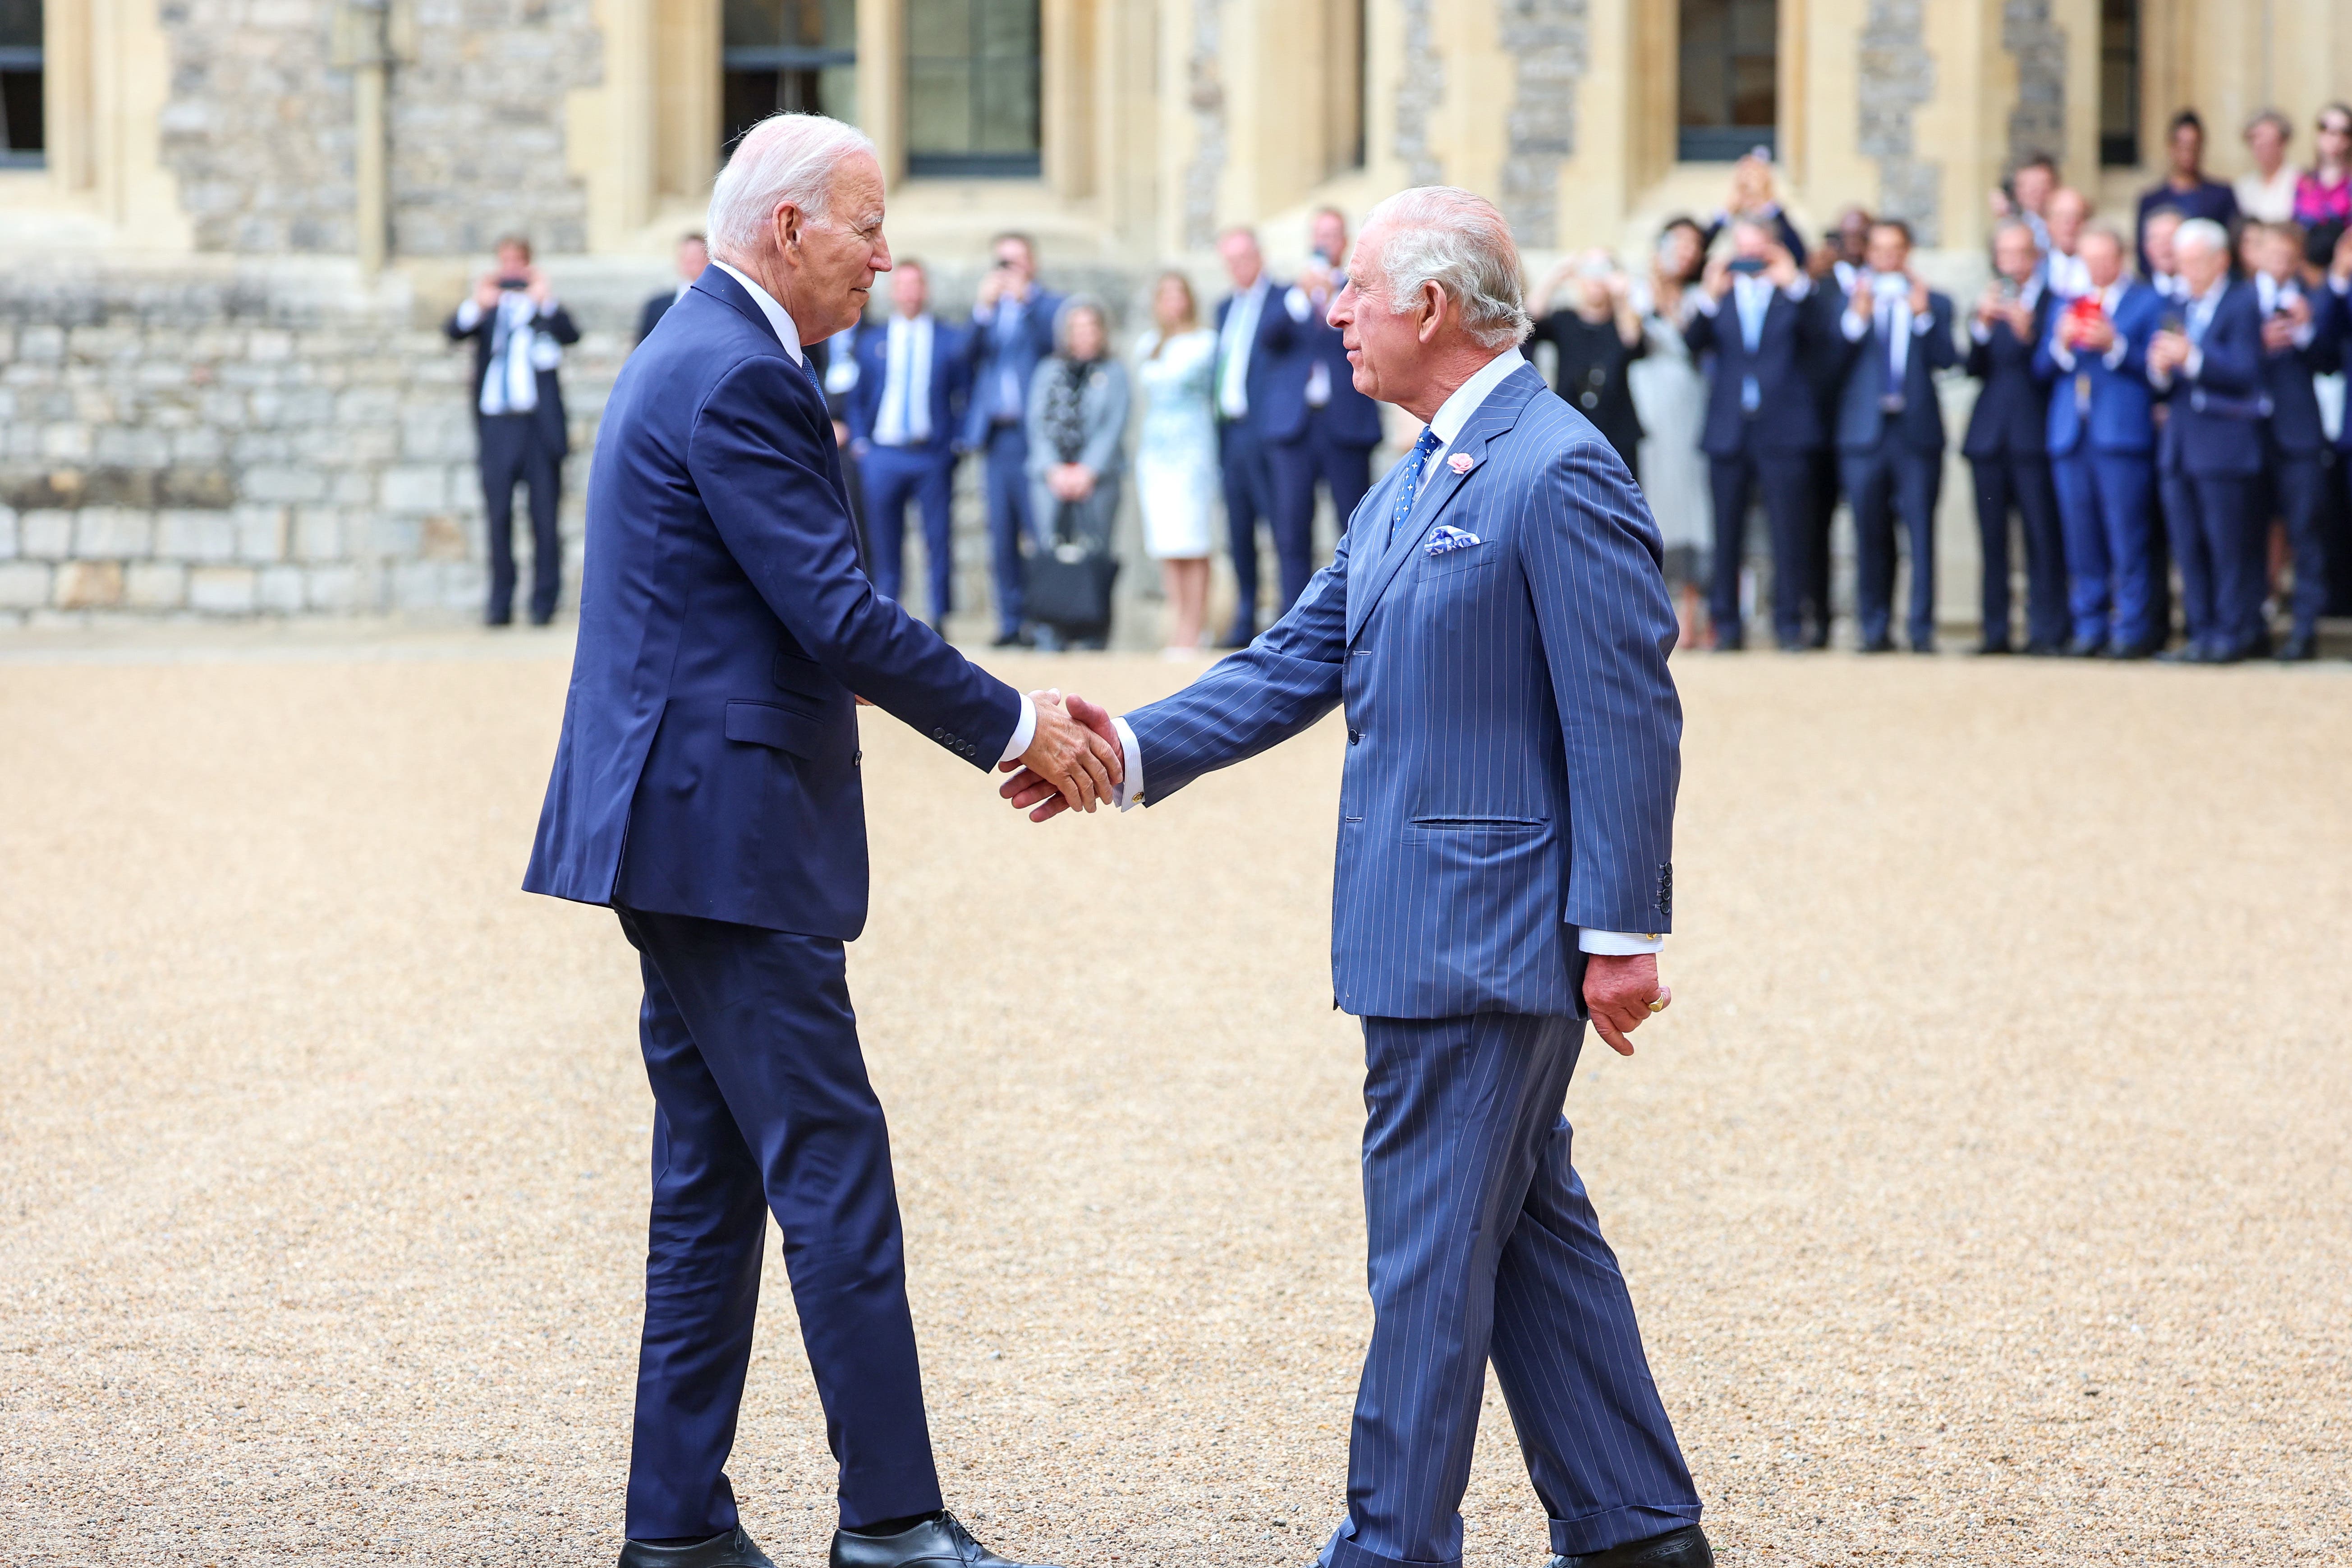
[1887,482]
[762,1105]
[514,453]
[893,475]
[1005,477]
[2021,483]
[1483,1247]
[1786,480]
[1345,471]
[1249,496]
[2107,504]
[2298,495]
[2220,545]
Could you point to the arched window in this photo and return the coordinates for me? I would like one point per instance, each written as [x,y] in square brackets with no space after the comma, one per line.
[799,56]
[973,73]
[1730,86]
[2119,84]
[24,139]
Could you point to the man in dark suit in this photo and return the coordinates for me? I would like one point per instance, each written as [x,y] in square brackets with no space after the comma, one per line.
[2007,446]
[1012,330]
[1890,430]
[1251,327]
[693,256]
[913,373]
[1495,627]
[1832,266]
[2298,343]
[1763,428]
[1314,424]
[520,334]
[2103,451]
[2208,370]
[707,787]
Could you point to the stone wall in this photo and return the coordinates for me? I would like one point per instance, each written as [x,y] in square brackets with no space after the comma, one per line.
[1897,76]
[2037,123]
[1545,41]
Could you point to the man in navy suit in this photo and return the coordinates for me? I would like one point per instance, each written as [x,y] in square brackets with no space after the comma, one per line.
[1495,627]
[913,373]
[2101,442]
[2208,370]
[707,788]
[1314,422]
[1890,430]
[1012,329]
[2008,446]
[2298,343]
[1763,427]
[1252,331]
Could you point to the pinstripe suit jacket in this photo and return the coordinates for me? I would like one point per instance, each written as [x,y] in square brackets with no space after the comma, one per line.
[1514,737]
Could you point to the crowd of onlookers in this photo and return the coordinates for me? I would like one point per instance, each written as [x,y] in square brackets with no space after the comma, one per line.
[2156,445]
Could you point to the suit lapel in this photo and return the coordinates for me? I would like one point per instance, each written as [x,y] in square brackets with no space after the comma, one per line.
[1492,419]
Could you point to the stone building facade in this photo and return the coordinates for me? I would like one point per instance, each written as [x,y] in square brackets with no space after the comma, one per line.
[223,386]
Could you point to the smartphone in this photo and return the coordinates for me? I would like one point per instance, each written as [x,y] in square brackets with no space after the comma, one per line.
[1745,266]
[514,282]
[2009,290]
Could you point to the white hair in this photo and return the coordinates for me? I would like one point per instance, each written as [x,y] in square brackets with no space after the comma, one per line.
[1447,236]
[785,158]
[2203,233]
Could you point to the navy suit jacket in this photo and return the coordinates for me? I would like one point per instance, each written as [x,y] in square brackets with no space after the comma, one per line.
[2121,416]
[2214,429]
[2291,405]
[708,763]
[1352,419]
[1788,418]
[1514,736]
[950,382]
[1862,418]
[2012,417]
[1266,366]
[1017,350]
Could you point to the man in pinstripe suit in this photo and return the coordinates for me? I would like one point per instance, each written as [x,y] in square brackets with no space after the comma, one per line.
[1496,627]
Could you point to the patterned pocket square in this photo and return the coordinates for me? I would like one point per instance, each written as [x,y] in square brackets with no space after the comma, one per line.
[1445,536]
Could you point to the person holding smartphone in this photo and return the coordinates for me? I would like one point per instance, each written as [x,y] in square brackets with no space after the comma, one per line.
[2007,446]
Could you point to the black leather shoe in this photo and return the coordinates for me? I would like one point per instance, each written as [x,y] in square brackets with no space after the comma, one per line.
[1882,645]
[1991,649]
[2128,651]
[2187,653]
[732,1550]
[941,1542]
[1016,638]
[2086,647]
[2299,648]
[1684,1548]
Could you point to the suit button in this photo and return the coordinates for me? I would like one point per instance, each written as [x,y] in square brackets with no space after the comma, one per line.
[1355,737]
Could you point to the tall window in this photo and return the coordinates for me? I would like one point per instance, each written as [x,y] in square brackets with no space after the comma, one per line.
[2119,84]
[972,77]
[1730,88]
[1344,58]
[788,54]
[22,141]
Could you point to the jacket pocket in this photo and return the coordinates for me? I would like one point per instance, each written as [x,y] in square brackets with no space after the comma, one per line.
[1470,829]
[770,724]
[1468,558]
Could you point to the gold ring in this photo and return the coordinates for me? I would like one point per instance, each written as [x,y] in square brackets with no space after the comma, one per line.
[1658,1003]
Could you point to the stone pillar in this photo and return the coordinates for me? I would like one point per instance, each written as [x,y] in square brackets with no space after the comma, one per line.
[1546,42]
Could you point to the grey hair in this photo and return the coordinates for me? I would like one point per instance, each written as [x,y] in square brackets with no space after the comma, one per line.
[1071,307]
[2202,232]
[1449,237]
[785,157]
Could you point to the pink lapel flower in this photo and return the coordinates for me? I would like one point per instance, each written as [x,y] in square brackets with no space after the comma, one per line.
[1461,462]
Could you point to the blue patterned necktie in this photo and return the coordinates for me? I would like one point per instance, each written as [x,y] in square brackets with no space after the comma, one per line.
[1408,483]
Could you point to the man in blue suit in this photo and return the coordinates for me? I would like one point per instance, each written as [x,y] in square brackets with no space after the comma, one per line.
[1890,430]
[1252,332]
[1316,425]
[1763,428]
[707,788]
[1495,627]
[1012,329]
[2103,450]
[2208,370]
[2299,341]
[2008,446]
[913,373]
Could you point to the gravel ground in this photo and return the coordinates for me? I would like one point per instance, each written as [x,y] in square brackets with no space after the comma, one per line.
[1985,1196]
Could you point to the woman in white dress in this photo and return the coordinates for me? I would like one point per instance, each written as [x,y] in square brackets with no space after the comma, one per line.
[1670,394]
[1176,473]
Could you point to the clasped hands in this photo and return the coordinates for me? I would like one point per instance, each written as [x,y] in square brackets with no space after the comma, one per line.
[1074,762]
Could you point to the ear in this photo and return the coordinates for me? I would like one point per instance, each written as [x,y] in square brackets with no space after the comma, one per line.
[786,223]
[1429,310]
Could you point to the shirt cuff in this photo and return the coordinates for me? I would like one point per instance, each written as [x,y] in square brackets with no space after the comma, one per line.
[1800,290]
[1979,332]
[1127,793]
[2061,355]
[2114,356]
[1619,943]
[1705,303]
[1296,302]
[2195,364]
[1922,323]
[1022,732]
[470,316]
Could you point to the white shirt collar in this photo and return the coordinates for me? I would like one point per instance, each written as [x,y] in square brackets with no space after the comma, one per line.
[1455,411]
[778,319]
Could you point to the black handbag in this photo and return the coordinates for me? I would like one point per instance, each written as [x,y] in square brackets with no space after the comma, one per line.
[1069,584]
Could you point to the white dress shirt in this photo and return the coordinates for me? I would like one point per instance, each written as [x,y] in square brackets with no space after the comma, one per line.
[1303,307]
[1024,729]
[2270,294]
[1233,345]
[519,352]
[2069,275]
[1891,314]
[1445,424]
[905,419]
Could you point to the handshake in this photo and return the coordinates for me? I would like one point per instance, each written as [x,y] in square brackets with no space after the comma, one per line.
[1075,760]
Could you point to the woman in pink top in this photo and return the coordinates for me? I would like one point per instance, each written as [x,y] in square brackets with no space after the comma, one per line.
[2323,199]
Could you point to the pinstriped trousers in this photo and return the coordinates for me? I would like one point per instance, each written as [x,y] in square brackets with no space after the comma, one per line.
[1483,1244]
